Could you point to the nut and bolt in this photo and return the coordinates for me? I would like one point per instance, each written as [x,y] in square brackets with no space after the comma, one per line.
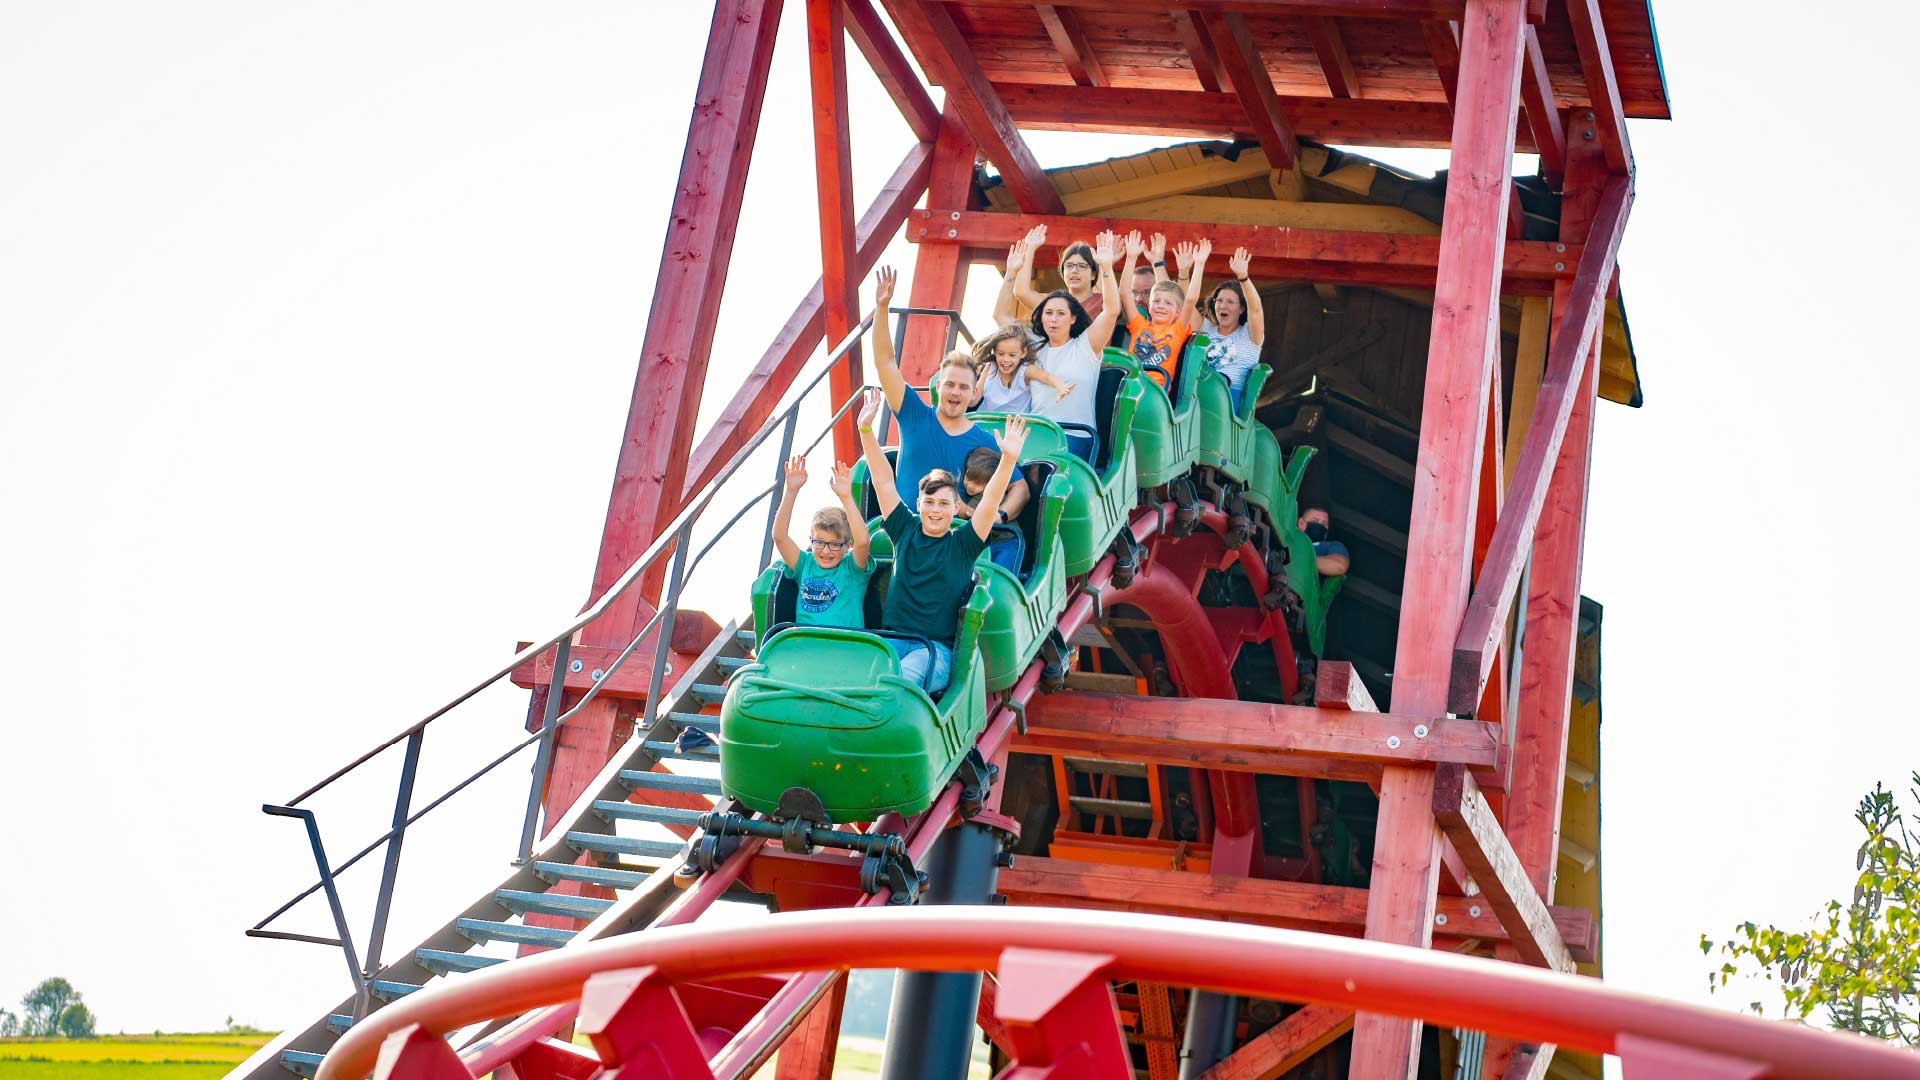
[1393,742]
[1559,266]
[1474,911]
[1419,731]
[576,667]
[1440,919]
[598,674]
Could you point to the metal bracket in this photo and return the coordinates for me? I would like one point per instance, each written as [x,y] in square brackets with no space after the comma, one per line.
[1019,711]
[1099,609]
[892,868]
[976,776]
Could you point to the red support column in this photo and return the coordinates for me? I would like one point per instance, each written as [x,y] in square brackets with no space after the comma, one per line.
[1466,330]
[808,1053]
[833,177]
[939,270]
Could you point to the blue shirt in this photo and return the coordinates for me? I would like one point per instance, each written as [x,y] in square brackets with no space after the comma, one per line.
[926,446]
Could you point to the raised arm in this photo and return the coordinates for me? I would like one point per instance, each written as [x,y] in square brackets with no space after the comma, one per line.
[1183,262]
[1133,256]
[1157,253]
[986,510]
[861,539]
[795,478]
[1191,312]
[885,364]
[1040,376]
[1023,288]
[1019,271]
[1102,328]
[879,473]
[1255,318]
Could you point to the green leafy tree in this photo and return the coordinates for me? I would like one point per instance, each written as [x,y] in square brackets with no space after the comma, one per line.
[1859,964]
[9,1024]
[43,1005]
[76,1021]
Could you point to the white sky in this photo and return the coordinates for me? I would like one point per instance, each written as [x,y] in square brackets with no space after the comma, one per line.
[320,326]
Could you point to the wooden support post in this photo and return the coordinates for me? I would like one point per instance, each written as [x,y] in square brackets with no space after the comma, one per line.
[890,66]
[1331,47]
[1529,365]
[1466,329]
[808,1053]
[939,270]
[1070,41]
[1286,1045]
[1247,72]
[1464,816]
[1543,113]
[833,180]
[948,60]
[1603,89]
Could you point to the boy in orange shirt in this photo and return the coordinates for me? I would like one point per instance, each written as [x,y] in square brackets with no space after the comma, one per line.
[1170,319]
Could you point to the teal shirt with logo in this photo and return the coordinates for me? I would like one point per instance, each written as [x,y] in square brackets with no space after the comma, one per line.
[835,597]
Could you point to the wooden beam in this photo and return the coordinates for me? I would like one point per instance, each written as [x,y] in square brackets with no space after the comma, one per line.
[1247,74]
[1211,171]
[1331,47]
[1356,9]
[1543,112]
[1246,736]
[1337,686]
[1580,324]
[890,66]
[940,271]
[833,184]
[1466,335]
[760,393]
[1230,210]
[1443,45]
[1463,815]
[1530,362]
[1286,1045]
[1603,89]
[1199,46]
[947,58]
[1301,254]
[809,1052]
[1379,459]
[1070,41]
[1293,905]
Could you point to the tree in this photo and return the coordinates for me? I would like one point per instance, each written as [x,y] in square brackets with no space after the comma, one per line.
[44,1004]
[1859,964]
[9,1024]
[76,1021]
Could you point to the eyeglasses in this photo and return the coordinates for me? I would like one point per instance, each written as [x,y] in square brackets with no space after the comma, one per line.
[1078,266]
[827,545]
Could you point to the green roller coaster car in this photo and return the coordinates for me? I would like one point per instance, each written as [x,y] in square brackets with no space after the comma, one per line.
[1166,427]
[825,709]
[1228,436]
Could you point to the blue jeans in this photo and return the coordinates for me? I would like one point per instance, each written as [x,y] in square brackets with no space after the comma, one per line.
[930,671]
[1080,446]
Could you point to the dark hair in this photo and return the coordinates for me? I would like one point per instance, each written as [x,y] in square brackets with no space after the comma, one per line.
[1226,286]
[1081,320]
[936,480]
[984,352]
[1082,249]
[981,463]
[1147,270]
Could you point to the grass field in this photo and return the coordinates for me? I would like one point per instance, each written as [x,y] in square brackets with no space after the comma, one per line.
[126,1057]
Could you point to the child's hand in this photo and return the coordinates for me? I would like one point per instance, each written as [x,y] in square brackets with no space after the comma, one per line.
[1200,252]
[1134,246]
[1242,259]
[842,482]
[870,409]
[883,282]
[1157,247]
[1014,439]
[1066,390]
[796,472]
[1183,256]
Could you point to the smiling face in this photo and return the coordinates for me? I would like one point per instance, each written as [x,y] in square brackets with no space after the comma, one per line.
[1007,354]
[936,508]
[1162,307]
[1228,309]
[1056,318]
[828,549]
[956,384]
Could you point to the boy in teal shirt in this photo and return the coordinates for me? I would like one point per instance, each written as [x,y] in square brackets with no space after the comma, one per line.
[832,573]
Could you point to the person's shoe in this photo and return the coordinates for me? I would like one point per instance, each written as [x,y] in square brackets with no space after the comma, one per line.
[692,739]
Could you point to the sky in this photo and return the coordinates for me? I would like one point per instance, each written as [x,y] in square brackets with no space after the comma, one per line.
[319,332]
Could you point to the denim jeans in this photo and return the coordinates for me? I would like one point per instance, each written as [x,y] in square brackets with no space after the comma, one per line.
[930,671]
[1080,446]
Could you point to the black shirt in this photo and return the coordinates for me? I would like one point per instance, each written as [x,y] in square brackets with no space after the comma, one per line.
[929,575]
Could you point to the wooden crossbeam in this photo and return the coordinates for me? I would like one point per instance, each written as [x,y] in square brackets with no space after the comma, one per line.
[1070,41]
[1248,77]
[1443,45]
[947,58]
[1543,113]
[1360,258]
[1603,88]
[890,66]
[1485,620]
[1463,815]
[833,184]
[1338,687]
[1534,10]
[1284,1046]
[1331,47]
[1293,905]
[1210,171]
[781,363]
[1194,39]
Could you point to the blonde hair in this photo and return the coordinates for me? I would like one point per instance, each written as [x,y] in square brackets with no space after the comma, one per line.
[1171,288]
[959,358]
[834,520]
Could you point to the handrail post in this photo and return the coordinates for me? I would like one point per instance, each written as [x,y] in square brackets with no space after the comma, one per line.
[676,578]
[779,483]
[362,995]
[543,757]
[402,806]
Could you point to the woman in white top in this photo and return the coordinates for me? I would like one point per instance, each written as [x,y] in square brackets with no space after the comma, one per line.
[1235,327]
[1068,339]
[1004,361]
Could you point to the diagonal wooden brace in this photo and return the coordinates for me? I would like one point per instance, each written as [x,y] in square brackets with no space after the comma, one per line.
[639,1028]
[1057,1008]
[414,1053]
[1463,815]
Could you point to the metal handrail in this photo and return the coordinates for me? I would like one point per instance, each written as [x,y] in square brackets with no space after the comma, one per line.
[677,536]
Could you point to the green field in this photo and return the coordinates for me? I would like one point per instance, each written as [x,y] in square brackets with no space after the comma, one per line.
[126,1057]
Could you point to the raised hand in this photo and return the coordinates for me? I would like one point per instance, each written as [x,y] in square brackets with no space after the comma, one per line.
[1157,247]
[1013,439]
[870,408]
[842,482]
[1183,256]
[1134,246]
[1201,251]
[883,281]
[1016,256]
[1242,259]
[1036,238]
[796,473]
[1103,252]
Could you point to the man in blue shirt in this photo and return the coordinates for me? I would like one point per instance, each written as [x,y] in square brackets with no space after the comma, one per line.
[1330,557]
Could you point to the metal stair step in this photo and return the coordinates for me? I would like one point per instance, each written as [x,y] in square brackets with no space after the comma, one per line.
[745,637]
[1107,768]
[483,931]
[338,1023]
[605,876]
[577,907]
[731,664]
[666,781]
[630,811]
[447,963]
[668,751]
[708,693]
[301,1061]
[624,845]
[1124,808]
[684,720]
[387,990]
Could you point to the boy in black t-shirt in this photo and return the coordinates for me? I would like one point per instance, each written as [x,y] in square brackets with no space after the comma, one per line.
[932,560]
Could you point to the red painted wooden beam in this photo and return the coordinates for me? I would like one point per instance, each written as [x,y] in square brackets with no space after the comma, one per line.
[1070,41]
[777,368]
[1543,113]
[833,185]
[890,65]
[1305,254]
[651,472]
[1464,816]
[1356,9]
[1206,62]
[1486,615]
[940,271]
[1331,47]
[1286,1045]
[1603,88]
[1247,74]
[948,60]
[1443,45]
[1464,342]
